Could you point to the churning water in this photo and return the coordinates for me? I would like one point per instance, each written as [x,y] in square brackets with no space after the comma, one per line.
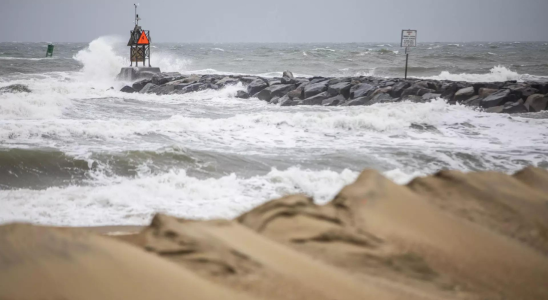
[75,152]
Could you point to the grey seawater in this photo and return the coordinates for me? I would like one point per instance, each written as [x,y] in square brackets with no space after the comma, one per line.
[76,152]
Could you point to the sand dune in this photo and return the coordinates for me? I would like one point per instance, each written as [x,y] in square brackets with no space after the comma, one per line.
[447,236]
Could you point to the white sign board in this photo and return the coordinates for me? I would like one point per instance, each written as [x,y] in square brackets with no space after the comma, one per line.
[409,38]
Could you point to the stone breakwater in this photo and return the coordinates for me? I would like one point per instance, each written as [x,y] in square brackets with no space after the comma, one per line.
[499,97]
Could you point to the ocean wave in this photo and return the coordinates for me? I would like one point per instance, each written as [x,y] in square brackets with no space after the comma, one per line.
[135,200]
[29,58]
[498,73]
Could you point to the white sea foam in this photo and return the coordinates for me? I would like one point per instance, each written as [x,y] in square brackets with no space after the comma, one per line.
[134,201]
[498,73]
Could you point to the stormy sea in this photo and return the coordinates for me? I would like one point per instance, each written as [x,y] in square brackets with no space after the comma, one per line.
[76,151]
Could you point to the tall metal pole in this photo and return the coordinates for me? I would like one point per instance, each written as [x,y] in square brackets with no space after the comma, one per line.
[406,60]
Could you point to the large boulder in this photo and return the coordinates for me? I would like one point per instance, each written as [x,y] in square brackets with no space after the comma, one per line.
[15,88]
[333,101]
[448,90]
[381,98]
[415,91]
[287,101]
[398,89]
[361,90]
[297,93]
[515,108]
[318,79]
[227,81]
[162,89]
[464,94]
[248,79]
[338,80]
[139,85]
[357,101]
[317,99]
[147,88]
[242,95]
[256,86]
[278,90]
[127,89]
[340,88]
[162,78]
[194,87]
[473,101]
[499,98]
[537,102]
[313,89]
[288,78]
[484,92]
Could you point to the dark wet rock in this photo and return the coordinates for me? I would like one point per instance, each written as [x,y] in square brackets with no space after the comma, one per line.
[256,86]
[357,101]
[313,89]
[127,89]
[333,101]
[288,74]
[247,79]
[473,101]
[430,96]
[398,89]
[242,95]
[464,93]
[386,83]
[484,92]
[515,108]
[384,90]
[297,93]
[317,99]
[281,90]
[527,91]
[274,100]
[381,97]
[162,89]
[15,88]
[275,81]
[227,81]
[338,80]
[318,79]
[278,90]
[286,101]
[162,78]
[194,87]
[213,86]
[415,91]
[448,90]
[139,85]
[537,102]
[361,90]
[495,109]
[147,88]
[342,88]
[287,80]
[499,98]
[415,98]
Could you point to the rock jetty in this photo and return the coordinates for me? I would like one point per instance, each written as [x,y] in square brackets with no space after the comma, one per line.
[498,97]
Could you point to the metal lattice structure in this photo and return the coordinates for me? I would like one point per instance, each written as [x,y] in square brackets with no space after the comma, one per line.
[139,43]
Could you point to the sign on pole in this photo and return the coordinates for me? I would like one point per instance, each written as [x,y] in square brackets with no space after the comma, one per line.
[408,39]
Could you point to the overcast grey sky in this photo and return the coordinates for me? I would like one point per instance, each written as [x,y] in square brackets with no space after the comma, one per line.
[277,20]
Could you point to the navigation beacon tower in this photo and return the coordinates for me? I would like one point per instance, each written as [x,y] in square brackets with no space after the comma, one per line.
[139,51]
[139,43]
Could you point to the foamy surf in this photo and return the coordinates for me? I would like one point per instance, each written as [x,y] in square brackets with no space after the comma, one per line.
[108,157]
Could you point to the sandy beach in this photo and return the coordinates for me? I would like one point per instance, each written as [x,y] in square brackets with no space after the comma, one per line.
[446,236]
